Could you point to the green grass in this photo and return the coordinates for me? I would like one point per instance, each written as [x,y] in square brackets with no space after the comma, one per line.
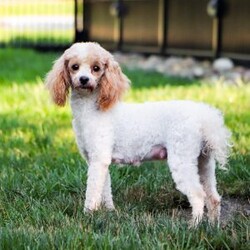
[43,177]
[36,37]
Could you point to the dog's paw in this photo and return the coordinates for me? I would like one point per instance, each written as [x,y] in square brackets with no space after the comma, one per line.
[90,209]
[109,207]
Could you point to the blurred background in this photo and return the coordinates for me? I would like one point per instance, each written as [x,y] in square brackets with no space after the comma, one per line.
[201,28]
[36,24]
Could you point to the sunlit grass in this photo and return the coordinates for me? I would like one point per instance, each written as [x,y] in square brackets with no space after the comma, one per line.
[32,36]
[43,177]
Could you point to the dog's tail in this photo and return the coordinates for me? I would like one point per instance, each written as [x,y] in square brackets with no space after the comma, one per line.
[217,137]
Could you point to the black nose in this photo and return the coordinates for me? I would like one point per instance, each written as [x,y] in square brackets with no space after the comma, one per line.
[84,80]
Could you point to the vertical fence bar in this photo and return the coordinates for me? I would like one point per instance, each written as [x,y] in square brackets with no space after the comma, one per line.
[215,10]
[120,20]
[216,36]
[85,20]
[163,25]
[75,20]
[79,20]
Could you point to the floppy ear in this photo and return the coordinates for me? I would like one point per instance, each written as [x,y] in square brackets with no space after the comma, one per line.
[58,81]
[113,84]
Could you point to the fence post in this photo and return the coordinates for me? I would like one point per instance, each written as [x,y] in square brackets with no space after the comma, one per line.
[80,21]
[119,10]
[163,25]
[215,9]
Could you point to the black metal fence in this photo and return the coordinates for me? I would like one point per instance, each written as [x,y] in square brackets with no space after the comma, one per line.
[206,28]
[37,23]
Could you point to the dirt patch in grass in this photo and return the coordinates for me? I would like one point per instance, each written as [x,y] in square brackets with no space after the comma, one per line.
[230,207]
[233,206]
[177,206]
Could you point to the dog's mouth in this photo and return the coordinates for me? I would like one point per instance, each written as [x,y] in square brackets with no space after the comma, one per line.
[85,87]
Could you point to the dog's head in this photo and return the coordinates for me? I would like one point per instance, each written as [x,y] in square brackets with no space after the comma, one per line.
[87,67]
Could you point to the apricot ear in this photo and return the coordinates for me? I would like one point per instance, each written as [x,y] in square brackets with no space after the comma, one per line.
[58,81]
[113,84]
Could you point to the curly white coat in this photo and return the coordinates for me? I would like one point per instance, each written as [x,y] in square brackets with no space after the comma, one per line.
[190,135]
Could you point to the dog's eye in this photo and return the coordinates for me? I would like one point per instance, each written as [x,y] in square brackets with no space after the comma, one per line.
[96,68]
[75,66]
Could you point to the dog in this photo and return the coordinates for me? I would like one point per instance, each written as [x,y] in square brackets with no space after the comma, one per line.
[190,136]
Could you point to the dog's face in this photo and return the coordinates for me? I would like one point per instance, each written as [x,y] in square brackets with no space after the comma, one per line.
[85,75]
[86,67]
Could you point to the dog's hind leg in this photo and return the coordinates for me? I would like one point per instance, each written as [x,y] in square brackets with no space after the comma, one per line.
[207,176]
[185,174]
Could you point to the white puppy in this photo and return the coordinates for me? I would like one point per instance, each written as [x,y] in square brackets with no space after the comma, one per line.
[191,136]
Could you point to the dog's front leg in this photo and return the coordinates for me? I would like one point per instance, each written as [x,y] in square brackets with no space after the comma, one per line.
[107,198]
[97,175]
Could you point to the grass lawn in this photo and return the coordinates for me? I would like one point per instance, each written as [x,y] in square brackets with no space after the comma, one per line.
[43,177]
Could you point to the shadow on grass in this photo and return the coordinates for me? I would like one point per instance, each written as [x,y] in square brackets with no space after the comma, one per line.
[24,65]
[39,43]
